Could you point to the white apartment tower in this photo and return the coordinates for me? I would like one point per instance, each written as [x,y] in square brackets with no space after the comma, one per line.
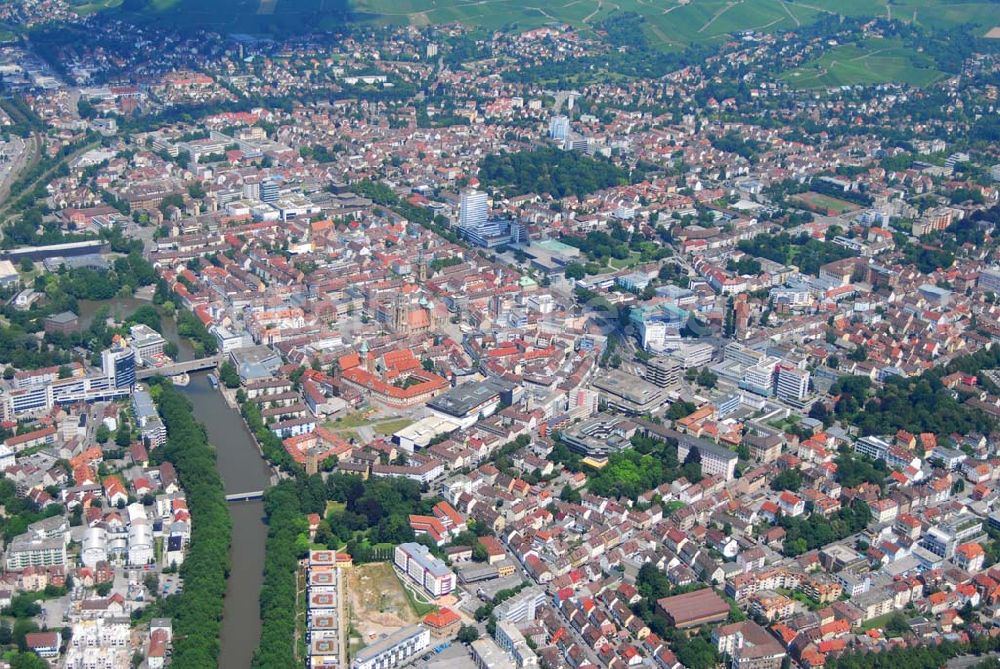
[473,210]
[793,383]
[559,127]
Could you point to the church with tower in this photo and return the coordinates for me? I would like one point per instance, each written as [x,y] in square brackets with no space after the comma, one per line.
[409,310]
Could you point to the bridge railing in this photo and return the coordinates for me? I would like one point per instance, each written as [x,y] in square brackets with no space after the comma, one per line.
[245,496]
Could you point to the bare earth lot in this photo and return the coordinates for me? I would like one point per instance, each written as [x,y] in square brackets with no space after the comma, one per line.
[376,601]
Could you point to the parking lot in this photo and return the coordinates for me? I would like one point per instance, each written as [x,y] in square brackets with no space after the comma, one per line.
[491,587]
[455,656]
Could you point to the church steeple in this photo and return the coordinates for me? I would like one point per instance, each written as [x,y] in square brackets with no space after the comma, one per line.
[400,313]
[363,354]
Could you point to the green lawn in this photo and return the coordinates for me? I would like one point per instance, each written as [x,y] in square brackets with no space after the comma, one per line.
[392,426]
[786,423]
[347,422]
[333,507]
[879,621]
[622,263]
[670,507]
[875,61]
[821,201]
[347,435]
[928,13]
[420,608]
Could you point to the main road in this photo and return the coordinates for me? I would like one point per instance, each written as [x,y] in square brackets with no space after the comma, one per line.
[181,367]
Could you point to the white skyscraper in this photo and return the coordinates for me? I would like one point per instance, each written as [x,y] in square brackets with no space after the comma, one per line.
[559,127]
[793,383]
[473,210]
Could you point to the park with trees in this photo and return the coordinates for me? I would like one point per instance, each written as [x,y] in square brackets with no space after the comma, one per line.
[803,251]
[649,463]
[550,171]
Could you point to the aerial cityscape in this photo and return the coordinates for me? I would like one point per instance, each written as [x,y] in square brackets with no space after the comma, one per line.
[446,334]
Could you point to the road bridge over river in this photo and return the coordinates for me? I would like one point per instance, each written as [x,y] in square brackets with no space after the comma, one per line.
[187,367]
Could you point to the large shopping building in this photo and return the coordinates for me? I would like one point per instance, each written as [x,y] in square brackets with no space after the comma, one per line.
[115,381]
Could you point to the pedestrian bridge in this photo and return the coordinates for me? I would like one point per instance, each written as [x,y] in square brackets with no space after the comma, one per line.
[201,364]
[245,496]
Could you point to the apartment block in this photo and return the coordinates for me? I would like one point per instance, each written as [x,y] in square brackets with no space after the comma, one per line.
[425,570]
[394,649]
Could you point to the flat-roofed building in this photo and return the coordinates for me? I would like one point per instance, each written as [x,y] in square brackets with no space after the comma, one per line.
[488,655]
[943,539]
[430,573]
[146,342]
[838,557]
[989,280]
[9,276]
[715,460]
[694,355]
[64,322]
[694,608]
[420,434]
[522,607]
[792,384]
[26,550]
[759,378]
[664,371]
[628,393]
[510,639]
[255,362]
[467,403]
[600,436]
[745,357]
[748,645]
[394,649]
[872,447]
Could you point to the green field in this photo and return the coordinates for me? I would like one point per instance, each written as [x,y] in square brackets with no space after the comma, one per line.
[931,13]
[621,263]
[392,426]
[669,23]
[875,61]
[824,203]
[92,6]
[349,421]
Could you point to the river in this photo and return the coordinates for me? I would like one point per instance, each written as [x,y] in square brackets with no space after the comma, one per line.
[242,469]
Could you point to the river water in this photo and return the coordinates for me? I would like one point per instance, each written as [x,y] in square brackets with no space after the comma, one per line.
[242,469]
